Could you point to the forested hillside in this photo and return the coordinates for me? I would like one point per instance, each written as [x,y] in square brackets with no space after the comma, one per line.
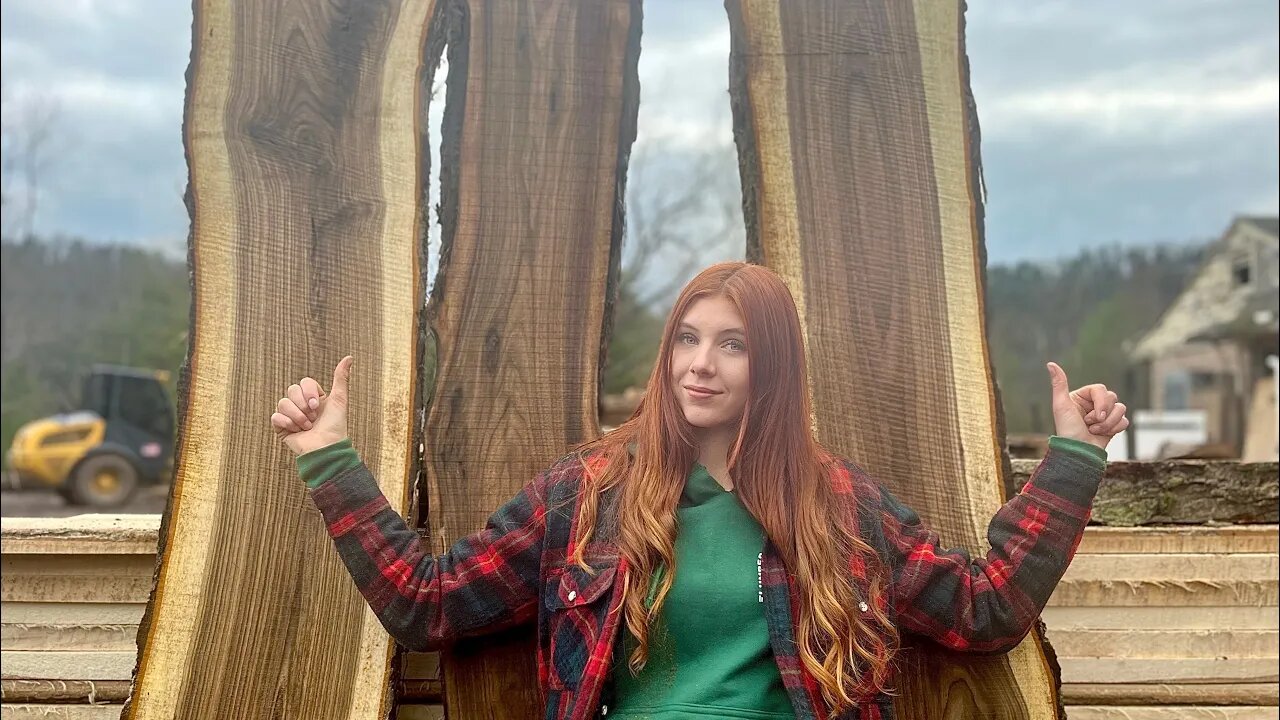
[1085,313]
[67,305]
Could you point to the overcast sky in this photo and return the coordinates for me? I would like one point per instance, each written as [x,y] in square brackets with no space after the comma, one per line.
[1102,122]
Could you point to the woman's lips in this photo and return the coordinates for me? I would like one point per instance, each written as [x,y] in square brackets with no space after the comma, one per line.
[699,393]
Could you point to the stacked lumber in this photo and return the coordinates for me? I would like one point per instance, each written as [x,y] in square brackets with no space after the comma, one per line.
[1149,623]
[74,593]
[74,590]
[1169,621]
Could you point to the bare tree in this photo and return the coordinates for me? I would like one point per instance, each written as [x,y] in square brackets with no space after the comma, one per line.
[27,134]
[684,210]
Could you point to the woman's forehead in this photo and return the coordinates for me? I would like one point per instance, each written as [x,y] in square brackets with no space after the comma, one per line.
[713,314]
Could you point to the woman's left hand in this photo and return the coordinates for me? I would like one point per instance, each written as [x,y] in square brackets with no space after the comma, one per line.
[1091,413]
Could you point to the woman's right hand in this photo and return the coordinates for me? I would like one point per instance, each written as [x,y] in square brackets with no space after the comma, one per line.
[307,418]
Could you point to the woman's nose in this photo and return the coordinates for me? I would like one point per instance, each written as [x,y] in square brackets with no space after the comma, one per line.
[702,364]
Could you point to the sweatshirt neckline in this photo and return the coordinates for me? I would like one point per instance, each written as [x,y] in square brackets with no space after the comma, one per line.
[701,488]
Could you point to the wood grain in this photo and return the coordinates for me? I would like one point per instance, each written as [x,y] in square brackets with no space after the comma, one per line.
[1222,539]
[80,535]
[44,711]
[1155,617]
[67,665]
[1182,492]
[1171,694]
[1158,644]
[858,151]
[64,691]
[1115,712]
[539,120]
[114,638]
[305,193]
[1190,671]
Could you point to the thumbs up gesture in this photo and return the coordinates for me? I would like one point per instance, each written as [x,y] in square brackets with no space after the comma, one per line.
[307,418]
[1091,413]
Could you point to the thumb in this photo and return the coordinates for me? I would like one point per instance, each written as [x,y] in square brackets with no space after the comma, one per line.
[341,376]
[1061,387]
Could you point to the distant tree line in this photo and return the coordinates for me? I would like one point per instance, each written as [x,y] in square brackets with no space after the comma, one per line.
[69,304]
[66,305]
[1086,313]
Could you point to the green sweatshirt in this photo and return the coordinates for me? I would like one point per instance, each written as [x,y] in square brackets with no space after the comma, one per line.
[709,655]
[709,652]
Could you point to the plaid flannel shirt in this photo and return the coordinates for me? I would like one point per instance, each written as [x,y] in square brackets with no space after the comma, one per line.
[516,571]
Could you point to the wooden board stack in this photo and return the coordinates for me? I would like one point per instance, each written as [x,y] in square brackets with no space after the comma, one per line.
[1149,623]
[1162,622]
[74,590]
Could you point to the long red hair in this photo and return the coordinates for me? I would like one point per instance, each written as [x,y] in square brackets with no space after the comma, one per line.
[781,474]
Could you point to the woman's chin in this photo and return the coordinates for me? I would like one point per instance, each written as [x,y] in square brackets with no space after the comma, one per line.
[704,420]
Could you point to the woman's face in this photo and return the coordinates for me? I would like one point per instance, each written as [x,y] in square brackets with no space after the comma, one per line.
[709,373]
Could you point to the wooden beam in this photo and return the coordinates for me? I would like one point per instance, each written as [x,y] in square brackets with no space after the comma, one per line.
[121,638]
[79,665]
[80,535]
[1112,712]
[74,589]
[1230,539]
[858,149]
[1154,617]
[421,678]
[63,613]
[64,691]
[427,691]
[1161,592]
[1187,492]
[303,133]
[1171,694]
[83,566]
[1187,671]
[43,711]
[539,120]
[94,577]
[1226,642]
[1174,567]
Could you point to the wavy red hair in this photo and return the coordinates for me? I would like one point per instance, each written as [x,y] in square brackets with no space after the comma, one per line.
[782,475]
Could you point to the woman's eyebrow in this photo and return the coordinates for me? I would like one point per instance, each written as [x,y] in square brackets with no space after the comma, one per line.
[726,331]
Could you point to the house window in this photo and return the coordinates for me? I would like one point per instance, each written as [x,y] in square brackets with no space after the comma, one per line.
[1203,380]
[1177,390]
[1269,269]
[1242,271]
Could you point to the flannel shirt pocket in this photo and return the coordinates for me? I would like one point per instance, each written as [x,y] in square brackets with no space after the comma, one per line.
[576,602]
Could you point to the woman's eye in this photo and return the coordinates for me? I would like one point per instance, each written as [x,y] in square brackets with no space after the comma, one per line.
[688,339]
[735,345]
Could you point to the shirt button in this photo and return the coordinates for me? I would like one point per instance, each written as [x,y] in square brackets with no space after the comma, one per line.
[862,606]
[572,594]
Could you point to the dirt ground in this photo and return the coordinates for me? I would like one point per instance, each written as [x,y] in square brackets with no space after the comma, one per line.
[46,503]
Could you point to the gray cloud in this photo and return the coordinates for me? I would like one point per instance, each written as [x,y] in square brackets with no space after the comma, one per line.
[113,74]
[1123,122]
[1102,122]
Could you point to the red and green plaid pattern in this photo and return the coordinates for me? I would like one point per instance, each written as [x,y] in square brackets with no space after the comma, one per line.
[516,571]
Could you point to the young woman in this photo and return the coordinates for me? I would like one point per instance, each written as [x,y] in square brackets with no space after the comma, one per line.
[755,574]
